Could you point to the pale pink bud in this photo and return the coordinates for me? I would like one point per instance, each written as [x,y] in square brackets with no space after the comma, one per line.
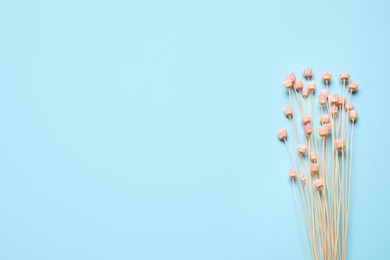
[325,92]
[302,178]
[349,106]
[353,115]
[302,149]
[319,183]
[308,73]
[288,111]
[344,76]
[324,119]
[307,129]
[341,101]
[298,85]
[305,92]
[353,86]
[293,174]
[340,144]
[326,76]
[323,131]
[311,85]
[334,110]
[322,99]
[313,157]
[306,120]
[287,84]
[291,77]
[314,168]
[334,99]
[329,126]
[282,134]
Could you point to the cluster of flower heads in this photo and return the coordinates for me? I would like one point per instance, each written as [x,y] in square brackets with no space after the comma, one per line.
[324,158]
[333,102]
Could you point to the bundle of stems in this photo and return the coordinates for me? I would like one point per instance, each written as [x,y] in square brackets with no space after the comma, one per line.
[321,157]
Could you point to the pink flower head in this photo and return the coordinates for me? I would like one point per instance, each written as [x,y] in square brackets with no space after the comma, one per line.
[287,84]
[298,85]
[291,77]
[282,134]
[314,168]
[288,111]
[313,157]
[307,129]
[334,110]
[292,173]
[308,73]
[325,92]
[319,183]
[341,101]
[340,144]
[322,99]
[344,76]
[323,131]
[334,99]
[311,85]
[353,115]
[306,120]
[326,76]
[302,149]
[324,119]
[305,92]
[349,106]
[353,86]
[302,178]
[329,126]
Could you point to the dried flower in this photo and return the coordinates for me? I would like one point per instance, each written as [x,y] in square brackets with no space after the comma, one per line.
[344,76]
[319,183]
[293,173]
[306,120]
[334,110]
[353,86]
[291,77]
[314,168]
[288,111]
[311,85]
[326,76]
[308,73]
[298,85]
[341,101]
[302,149]
[349,106]
[307,129]
[305,92]
[322,99]
[353,115]
[324,131]
[313,157]
[302,178]
[282,134]
[287,84]
[324,119]
[340,144]
[334,99]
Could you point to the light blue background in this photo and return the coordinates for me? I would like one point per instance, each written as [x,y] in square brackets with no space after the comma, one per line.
[147,129]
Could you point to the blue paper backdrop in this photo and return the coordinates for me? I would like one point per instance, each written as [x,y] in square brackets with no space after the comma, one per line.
[147,129]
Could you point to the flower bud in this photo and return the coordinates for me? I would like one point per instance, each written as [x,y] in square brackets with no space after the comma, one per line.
[353,115]
[282,134]
[307,129]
